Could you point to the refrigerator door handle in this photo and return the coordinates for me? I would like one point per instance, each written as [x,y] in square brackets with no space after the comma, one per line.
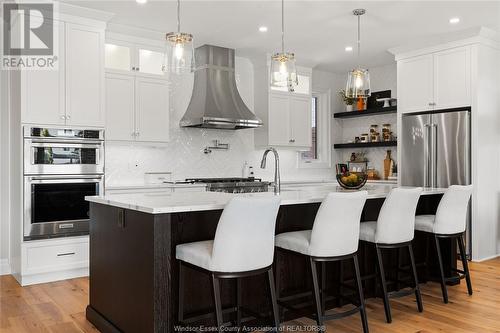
[434,154]
[427,154]
[467,148]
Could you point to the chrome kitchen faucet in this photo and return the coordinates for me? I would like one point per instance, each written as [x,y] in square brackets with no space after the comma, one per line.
[277,181]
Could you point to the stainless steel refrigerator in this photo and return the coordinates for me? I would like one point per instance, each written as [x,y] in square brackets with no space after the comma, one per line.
[436,150]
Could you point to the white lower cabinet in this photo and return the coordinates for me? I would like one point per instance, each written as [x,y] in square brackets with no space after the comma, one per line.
[137,108]
[54,259]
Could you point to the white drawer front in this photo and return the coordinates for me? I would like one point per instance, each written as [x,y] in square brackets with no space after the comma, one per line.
[47,258]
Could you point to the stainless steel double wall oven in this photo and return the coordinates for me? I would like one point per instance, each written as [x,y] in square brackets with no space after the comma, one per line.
[61,167]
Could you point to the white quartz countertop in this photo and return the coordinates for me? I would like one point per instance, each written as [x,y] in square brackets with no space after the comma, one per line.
[161,203]
[153,186]
[284,184]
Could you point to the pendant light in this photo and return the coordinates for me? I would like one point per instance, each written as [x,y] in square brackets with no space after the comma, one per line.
[358,80]
[179,51]
[283,71]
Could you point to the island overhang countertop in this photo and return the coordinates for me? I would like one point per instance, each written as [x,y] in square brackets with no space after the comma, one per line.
[164,203]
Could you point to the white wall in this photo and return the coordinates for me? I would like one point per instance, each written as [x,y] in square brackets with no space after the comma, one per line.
[183,155]
[4,174]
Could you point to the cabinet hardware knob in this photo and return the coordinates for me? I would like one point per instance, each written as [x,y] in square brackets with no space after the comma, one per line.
[133,68]
[292,140]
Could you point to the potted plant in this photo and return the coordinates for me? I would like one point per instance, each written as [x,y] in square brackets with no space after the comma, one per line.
[348,101]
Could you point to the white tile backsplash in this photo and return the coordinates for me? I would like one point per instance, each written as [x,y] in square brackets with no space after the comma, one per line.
[126,163]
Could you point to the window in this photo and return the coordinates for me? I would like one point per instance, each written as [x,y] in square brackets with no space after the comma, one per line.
[318,156]
[312,154]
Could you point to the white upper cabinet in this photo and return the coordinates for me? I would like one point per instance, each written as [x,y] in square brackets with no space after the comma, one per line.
[43,91]
[435,81]
[118,57]
[73,94]
[120,107]
[152,110]
[129,57]
[286,115]
[84,75]
[137,109]
[452,81]
[300,121]
[150,61]
[279,119]
[415,84]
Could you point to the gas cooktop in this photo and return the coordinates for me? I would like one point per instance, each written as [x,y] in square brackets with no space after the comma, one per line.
[232,185]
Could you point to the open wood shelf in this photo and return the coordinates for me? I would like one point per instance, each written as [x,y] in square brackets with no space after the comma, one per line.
[366,145]
[367,112]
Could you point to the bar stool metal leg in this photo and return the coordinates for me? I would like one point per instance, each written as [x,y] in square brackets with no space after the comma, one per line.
[274,302]
[317,299]
[238,302]
[464,263]
[180,314]
[441,270]
[217,302]
[362,308]
[387,306]
[323,287]
[418,295]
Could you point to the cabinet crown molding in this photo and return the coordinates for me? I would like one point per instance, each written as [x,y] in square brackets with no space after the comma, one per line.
[476,35]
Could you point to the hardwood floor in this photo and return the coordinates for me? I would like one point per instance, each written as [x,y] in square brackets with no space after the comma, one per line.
[59,307]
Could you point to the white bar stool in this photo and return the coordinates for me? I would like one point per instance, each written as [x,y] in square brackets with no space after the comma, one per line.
[334,237]
[449,222]
[243,246]
[394,228]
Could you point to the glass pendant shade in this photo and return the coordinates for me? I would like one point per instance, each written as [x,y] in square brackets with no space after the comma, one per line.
[283,71]
[179,53]
[358,84]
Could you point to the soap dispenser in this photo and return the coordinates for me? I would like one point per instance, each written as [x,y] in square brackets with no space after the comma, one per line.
[246,170]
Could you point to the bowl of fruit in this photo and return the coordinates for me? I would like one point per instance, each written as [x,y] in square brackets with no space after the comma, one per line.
[352,180]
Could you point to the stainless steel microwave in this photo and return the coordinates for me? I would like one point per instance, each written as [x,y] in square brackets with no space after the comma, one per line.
[63,151]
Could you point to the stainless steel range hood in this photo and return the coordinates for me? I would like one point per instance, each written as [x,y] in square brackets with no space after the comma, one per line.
[215,102]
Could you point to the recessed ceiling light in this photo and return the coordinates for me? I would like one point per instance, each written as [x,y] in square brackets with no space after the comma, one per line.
[454,20]
[263,29]
[348,48]
[142,2]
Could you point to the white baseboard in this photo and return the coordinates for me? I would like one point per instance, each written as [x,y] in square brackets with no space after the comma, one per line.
[26,280]
[487,258]
[4,267]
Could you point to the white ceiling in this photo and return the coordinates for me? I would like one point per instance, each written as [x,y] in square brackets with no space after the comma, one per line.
[316,31]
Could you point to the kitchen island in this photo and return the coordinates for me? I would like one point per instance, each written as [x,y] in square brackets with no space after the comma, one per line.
[134,273]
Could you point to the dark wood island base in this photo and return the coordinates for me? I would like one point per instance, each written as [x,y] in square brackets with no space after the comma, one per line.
[134,273]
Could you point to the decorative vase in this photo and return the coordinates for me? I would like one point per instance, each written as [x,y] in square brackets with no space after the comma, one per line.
[361,104]
[349,108]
